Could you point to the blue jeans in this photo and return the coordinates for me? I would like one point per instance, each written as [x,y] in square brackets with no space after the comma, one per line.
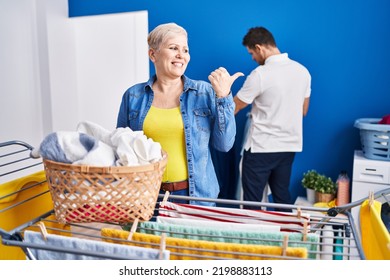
[174,200]
[260,168]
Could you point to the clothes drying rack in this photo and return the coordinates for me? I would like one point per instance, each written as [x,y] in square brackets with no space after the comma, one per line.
[335,224]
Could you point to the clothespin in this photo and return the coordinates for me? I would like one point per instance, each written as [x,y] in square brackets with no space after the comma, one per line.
[370,198]
[162,245]
[299,212]
[133,229]
[165,199]
[42,227]
[305,230]
[285,245]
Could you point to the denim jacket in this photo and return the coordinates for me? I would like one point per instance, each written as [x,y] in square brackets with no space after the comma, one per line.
[208,122]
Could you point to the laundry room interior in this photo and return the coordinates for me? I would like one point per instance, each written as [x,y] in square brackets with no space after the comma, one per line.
[67,62]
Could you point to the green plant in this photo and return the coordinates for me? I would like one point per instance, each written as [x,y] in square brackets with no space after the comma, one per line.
[309,179]
[318,182]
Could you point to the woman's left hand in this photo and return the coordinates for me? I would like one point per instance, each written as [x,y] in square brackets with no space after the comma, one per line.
[221,81]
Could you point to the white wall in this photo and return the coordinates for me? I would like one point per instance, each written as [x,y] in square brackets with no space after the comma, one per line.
[57,71]
[20,111]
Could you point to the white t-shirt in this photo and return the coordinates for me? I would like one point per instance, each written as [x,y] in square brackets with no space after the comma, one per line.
[276,91]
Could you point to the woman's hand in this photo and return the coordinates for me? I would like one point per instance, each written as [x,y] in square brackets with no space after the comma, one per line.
[221,81]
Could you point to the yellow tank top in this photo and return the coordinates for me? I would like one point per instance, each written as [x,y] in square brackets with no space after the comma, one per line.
[166,127]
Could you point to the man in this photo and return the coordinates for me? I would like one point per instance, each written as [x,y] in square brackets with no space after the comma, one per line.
[279,91]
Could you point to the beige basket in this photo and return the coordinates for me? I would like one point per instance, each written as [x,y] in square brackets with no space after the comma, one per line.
[117,194]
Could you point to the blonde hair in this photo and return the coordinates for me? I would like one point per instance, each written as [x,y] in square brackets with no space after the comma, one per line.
[159,34]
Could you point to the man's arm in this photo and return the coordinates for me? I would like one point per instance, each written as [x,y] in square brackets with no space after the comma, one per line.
[306,106]
[239,104]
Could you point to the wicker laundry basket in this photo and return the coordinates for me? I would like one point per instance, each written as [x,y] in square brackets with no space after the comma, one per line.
[118,194]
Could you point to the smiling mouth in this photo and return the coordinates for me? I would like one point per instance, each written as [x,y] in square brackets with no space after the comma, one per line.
[177,64]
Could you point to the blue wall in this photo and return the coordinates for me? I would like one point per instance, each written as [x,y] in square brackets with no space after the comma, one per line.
[345,45]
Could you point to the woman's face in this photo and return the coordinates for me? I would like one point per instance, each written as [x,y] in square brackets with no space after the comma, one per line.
[172,58]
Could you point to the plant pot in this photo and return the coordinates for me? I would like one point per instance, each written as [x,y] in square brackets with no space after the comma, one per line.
[310,195]
[324,197]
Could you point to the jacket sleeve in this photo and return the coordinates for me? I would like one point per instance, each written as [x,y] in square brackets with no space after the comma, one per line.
[224,130]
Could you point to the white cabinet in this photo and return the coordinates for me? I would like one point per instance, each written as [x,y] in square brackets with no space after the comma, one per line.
[368,175]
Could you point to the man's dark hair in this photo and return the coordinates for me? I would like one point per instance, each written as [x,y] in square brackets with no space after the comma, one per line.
[258,36]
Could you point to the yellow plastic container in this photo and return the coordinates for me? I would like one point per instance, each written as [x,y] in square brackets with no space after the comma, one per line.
[15,210]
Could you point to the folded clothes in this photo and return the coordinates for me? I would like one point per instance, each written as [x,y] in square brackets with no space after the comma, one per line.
[94,145]
[75,148]
[132,147]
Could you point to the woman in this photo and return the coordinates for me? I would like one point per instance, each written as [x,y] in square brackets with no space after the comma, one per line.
[185,116]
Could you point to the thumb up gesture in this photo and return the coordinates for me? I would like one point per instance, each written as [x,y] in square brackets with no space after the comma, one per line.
[221,81]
